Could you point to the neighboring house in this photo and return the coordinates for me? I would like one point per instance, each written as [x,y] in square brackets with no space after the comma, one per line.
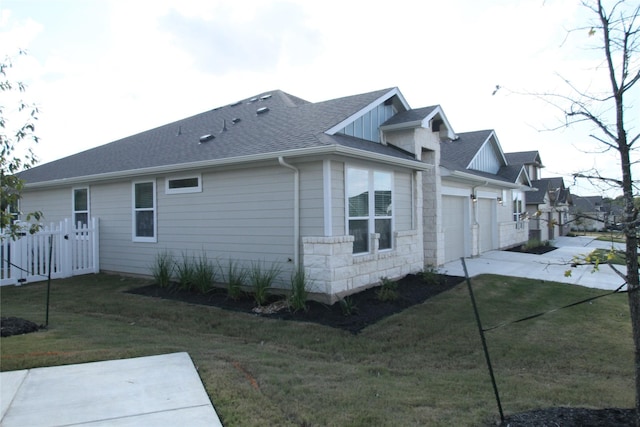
[589,213]
[473,168]
[548,209]
[350,189]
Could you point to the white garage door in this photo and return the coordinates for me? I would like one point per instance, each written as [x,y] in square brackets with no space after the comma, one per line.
[453,222]
[485,223]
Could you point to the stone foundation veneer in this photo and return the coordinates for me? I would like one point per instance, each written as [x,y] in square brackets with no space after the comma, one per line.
[334,271]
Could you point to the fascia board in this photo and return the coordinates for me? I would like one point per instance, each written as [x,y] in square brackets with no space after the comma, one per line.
[371,106]
[475,179]
[235,161]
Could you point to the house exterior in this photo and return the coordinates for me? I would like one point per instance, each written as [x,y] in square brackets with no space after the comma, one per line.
[351,189]
[548,209]
[548,206]
[589,213]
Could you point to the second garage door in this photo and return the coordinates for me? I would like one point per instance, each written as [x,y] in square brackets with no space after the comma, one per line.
[453,222]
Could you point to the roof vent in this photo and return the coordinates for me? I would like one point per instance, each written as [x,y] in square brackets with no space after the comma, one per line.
[235,120]
[206,138]
[235,103]
[267,96]
[252,100]
[179,131]
[224,125]
[262,110]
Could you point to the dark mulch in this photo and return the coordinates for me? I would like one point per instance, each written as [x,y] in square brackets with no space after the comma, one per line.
[15,326]
[368,309]
[538,250]
[572,417]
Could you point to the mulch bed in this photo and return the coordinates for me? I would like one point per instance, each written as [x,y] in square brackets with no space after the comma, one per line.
[16,326]
[538,250]
[368,309]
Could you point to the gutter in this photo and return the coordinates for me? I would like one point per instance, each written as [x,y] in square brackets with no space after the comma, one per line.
[467,177]
[296,210]
[231,161]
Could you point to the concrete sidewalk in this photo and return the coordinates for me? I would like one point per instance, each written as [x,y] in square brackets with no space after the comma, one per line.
[547,267]
[146,391]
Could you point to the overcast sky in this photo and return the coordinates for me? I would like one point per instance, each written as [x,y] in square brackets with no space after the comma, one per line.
[101,70]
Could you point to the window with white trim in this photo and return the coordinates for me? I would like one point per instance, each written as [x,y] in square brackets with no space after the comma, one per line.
[144,211]
[183,184]
[80,206]
[518,208]
[370,208]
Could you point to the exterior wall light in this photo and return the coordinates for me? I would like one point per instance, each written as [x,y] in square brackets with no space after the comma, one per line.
[474,198]
[499,200]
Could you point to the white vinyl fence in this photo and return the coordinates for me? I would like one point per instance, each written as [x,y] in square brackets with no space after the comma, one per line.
[66,249]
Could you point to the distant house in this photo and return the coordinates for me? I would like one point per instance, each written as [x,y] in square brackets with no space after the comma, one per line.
[590,213]
[350,189]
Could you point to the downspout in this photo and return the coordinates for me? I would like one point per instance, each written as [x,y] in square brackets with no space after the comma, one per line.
[296,210]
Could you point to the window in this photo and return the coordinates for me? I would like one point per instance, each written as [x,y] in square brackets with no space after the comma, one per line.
[80,206]
[370,209]
[517,208]
[184,184]
[144,211]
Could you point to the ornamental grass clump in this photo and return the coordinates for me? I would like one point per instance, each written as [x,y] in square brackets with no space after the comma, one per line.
[204,274]
[162,268]
[388,291]
[299,290]
[261,278]
[235,277]
[185,271]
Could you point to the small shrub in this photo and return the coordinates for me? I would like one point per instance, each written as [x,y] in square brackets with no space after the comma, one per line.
[235,276]
[388,291]
[204,274]
[298,297]
[261,279]
[162,268]
[185,270]
[431,276]
[348,306]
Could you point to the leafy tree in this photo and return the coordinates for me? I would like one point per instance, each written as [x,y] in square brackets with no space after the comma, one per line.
[17,153]
[616,27]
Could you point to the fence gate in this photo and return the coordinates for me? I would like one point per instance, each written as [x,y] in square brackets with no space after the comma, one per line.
[67,249]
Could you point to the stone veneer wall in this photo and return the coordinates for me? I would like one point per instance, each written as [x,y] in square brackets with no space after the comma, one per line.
[335,272]
[510,236]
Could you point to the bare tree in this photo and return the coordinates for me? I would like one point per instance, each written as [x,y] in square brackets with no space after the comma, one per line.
[617,29]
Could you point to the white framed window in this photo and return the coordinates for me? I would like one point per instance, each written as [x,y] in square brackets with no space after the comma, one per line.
[183,184]
[80,206]
[518,208]
[144,211]
[369,208]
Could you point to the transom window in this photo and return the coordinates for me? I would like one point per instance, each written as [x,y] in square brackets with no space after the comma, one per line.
[370,207]
[80,206]
[144,211]
[184,184]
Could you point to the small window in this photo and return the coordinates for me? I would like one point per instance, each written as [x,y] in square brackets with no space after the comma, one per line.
[186,184]
[80,206]
[144,211]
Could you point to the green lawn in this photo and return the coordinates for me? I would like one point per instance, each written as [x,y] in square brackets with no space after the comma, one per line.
[424,366]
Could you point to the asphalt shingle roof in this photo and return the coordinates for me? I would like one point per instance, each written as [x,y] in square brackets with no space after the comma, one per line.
[523,157]
[289,123]
[457,154]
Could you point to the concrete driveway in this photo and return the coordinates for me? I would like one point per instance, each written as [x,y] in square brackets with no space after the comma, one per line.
[548,267]
[158,391]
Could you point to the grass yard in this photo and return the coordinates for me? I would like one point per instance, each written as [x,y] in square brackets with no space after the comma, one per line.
[424,366]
